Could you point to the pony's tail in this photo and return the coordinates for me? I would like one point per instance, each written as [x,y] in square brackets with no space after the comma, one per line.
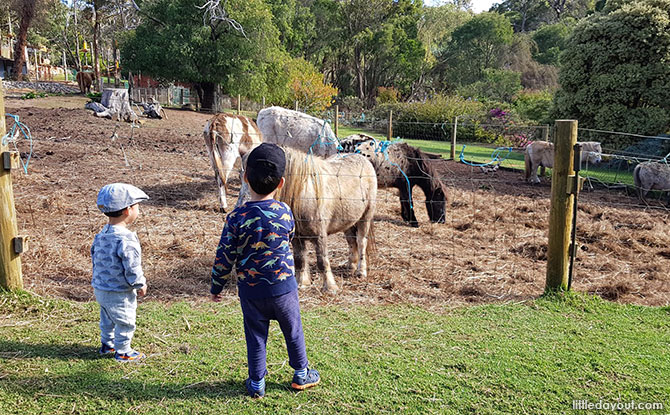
[211,136]
[371,249]
[636,176]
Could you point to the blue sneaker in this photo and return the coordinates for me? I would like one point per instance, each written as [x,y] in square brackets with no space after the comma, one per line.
[131,356]
[252,392]
[311,379]
[105,350]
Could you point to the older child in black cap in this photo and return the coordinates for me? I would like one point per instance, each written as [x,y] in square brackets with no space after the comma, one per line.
[255,251]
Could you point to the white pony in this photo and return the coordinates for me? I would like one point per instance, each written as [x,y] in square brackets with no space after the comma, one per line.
[228,137]
[541,154]
[298,130]
[651,175]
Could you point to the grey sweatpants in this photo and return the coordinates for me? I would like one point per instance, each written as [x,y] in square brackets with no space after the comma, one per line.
[117,318]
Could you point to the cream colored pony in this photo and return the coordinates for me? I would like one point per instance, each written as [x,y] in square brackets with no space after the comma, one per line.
[327,196]
[541,154]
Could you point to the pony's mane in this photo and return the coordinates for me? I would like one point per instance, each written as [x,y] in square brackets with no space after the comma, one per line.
[424,163]
[301,170]
[591,146]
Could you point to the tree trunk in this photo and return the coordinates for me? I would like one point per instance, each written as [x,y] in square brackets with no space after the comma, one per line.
[360,75]
[76,39]
[207,99]
[117,57]
[27,14]
[96,41]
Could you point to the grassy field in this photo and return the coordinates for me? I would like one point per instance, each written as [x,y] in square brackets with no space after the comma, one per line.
[533,357]
[478,153]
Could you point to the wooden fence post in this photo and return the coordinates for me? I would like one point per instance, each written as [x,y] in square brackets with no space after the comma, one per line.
[337,120]
[263,101]
[296,105]
[453,139]
[10,261]
[561,205]
[545,133]
[390,130]
[239,104]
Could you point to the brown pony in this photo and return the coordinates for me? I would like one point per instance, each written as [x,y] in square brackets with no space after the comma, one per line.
[85,80]
[327,196]
[402,166]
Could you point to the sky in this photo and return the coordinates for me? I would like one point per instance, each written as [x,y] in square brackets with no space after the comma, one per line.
[478,6]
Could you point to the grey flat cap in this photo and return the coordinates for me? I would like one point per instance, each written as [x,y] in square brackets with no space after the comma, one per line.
[118,196]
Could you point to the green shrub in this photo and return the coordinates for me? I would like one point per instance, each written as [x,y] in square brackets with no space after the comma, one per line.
[614,71]
[533,106]
[95,96]
[497,85]
[430,120]
[34,94]
[387,95]
[351,104]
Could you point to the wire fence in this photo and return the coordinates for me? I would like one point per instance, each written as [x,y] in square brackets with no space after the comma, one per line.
[491,245]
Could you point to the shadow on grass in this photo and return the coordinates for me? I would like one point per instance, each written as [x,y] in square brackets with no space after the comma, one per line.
[106,381]
[103,386]
[17,350]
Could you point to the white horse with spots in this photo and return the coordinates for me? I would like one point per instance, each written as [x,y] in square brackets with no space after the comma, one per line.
[297,130]
[227,138]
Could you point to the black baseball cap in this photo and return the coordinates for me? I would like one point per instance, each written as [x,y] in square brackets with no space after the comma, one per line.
[268,160]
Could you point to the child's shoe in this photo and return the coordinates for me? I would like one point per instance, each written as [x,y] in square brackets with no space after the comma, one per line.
[312,378]
[105,350]
[131,356]
[251,391]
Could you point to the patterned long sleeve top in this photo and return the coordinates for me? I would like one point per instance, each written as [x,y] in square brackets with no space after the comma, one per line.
[117,260]
[255,251]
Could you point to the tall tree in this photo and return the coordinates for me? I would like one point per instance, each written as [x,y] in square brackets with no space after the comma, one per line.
[382,43]
[435,29]
[525,15]
[26,11]
[475,46]
[550,41]
[296,24]
[236,48]
[97,18]
[614,71]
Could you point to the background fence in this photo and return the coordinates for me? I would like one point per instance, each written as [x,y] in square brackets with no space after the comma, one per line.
[492,245]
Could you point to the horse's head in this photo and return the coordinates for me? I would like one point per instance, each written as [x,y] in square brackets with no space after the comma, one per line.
[593,152]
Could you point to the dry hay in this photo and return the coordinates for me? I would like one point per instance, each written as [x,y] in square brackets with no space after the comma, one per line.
[491,248]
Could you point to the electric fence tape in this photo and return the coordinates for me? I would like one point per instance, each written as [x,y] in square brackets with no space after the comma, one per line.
[13,136]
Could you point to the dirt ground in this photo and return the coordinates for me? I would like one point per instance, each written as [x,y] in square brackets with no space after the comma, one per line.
[492,247]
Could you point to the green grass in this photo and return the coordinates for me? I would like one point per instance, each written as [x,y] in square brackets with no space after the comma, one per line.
[534,357]
[480,153]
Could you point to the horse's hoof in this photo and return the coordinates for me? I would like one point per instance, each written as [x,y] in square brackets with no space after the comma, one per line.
[414,224]
[330,289]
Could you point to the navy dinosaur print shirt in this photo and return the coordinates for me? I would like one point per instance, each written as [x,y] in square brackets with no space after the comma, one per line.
[255,251]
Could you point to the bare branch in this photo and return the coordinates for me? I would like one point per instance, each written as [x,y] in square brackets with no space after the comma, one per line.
[144,14]
[215,13]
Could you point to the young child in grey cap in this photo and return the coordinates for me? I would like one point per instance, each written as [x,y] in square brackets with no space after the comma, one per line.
[117,270]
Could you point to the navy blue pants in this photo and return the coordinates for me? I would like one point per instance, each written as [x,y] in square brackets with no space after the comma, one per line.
[257,315]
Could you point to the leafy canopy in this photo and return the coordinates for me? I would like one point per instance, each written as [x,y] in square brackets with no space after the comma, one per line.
[187,48]
[615,73]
